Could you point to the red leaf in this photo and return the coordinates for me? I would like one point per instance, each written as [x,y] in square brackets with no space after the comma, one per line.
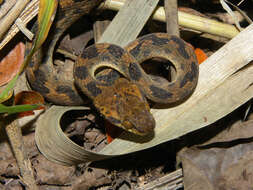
[28,97]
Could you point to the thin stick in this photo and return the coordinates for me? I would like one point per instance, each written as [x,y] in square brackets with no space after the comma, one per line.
[173,180]
[12,15]
[6,7]
[170,8]
[99,28]
[15,137]
[28,14]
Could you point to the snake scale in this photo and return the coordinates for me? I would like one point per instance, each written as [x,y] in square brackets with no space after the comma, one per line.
[119,95]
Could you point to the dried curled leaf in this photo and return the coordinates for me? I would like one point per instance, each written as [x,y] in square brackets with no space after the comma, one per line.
[55,145]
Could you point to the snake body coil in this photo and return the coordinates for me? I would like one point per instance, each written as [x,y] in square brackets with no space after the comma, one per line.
[121,100]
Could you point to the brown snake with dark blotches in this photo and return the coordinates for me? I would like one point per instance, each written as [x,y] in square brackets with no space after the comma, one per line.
[121,100]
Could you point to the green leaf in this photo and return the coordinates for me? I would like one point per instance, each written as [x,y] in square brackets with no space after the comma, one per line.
[47,11]
[5,93]
[17,108]
[46,16]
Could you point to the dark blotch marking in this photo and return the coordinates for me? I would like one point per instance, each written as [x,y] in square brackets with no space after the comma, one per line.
[67,90]
[31,64]
[93,89]
[116,51]
[106,58]
[181,47]
[136,50]
[63,89]
[81,72]
[160,41]
[40,80]
[195,69]
[146,52]
[90,52]
[182,66]
[134,72]
[109,78]
[160,93]
[77,11]
[190,76]
[157,41]
[167,50]
[113,120]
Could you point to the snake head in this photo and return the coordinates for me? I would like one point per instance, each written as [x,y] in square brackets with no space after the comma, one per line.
[124,106]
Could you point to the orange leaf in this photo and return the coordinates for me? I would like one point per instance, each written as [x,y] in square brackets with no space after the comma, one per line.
[201,56]
[28,97]
[11,63]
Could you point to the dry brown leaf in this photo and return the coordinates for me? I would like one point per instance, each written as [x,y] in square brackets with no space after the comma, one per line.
[11,63]
[28,97]
[224,162]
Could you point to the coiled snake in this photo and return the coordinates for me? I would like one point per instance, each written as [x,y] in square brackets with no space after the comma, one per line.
[122,100]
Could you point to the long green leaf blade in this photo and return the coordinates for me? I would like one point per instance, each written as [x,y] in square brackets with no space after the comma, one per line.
[17,108]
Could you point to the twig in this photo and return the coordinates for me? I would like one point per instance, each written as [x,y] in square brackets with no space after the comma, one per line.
[15,137]
[172,27]
[170,8]
[6,7]
[172,180]
[66,54]
[28,14]
[247,18]
[12,15]
[231,13]
[22,28]
[98,28]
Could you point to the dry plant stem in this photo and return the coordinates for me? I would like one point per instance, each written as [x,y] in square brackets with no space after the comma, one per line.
[170,7]
[172,28]
[186,20]
[28,14]
[173,180]
[6,7]
[231,13]
[12,15]
[66,54]
[15,137]
[22,28]
[99,28]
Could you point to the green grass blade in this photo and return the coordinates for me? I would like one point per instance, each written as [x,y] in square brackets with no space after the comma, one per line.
[17,108]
